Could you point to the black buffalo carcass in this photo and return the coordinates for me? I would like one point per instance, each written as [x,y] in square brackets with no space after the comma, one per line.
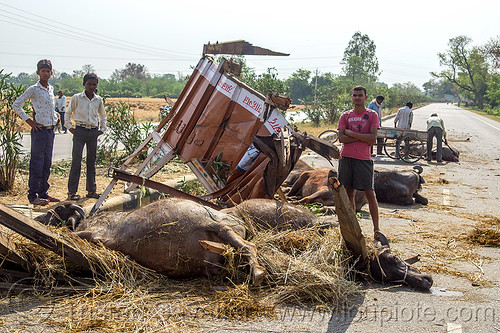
[400,187]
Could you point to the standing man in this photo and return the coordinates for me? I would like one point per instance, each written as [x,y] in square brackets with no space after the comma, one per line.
[358,132]
[87,110]
[376,105]
[61,109]
[435,128]
[404,117]
[42,126]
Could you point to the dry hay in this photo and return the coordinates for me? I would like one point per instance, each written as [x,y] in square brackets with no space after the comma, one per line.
[484,237]
[306,267]
[309,267]
[240,302]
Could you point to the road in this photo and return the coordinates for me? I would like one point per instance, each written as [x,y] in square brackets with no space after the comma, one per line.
[63,143]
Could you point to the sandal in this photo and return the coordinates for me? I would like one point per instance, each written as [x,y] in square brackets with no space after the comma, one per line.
[93,195]
[40,202]
[51,199]
[73,196]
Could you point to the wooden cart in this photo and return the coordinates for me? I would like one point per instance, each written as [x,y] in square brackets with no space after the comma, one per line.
[405,144]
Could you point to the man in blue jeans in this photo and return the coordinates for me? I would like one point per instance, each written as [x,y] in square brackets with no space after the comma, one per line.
[42,126]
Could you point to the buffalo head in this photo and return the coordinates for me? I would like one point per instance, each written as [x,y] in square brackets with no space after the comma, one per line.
[65,214]
[386,267]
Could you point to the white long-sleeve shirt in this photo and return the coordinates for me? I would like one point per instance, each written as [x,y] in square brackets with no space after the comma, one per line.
[42,100]
[85,111]
[404,118]
[60,104]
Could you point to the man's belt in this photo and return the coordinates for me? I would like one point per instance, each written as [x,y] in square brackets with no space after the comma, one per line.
[48,127]
[86,126]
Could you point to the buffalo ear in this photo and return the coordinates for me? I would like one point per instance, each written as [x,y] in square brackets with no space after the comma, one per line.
[383,240]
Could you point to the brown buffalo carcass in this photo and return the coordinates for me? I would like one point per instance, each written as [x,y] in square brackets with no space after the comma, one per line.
[271,214]
[312,187]
[171,230]
[165,236]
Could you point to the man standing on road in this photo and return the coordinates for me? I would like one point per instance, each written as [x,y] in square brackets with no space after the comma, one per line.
[404,117]
[435,128]
[376,105]
[61,108]
[358,132]
[42,126]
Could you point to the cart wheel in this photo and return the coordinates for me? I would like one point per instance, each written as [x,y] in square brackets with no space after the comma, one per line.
[410,149]
[390,148]
[329,135]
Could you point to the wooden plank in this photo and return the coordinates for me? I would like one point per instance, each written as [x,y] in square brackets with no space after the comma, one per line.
[349,225]
[8,251]
[41,235]
[122,175]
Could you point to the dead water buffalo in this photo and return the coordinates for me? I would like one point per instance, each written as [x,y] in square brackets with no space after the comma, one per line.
[272,214]
[166,236]
[297,170]
[395,187]
[400,187]
[448,154]
[386,267]
[312,187]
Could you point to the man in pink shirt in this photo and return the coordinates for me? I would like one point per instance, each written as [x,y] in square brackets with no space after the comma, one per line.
[358,132]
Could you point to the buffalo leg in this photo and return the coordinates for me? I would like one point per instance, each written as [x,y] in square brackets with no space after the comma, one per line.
[248,249]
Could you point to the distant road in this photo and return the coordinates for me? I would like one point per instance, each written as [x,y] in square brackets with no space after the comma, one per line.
[63,144]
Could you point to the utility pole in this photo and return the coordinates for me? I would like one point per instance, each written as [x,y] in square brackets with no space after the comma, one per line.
[315,87]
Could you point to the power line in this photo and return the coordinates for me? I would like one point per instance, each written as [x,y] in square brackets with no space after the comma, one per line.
[84,35]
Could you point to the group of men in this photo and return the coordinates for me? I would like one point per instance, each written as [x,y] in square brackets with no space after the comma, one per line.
[85,110]
[357,132]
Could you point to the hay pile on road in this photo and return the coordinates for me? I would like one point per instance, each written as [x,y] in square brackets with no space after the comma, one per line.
[308,267]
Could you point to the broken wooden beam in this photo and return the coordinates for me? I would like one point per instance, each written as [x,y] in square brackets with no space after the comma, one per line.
[238,47]
[41,235]
[123,175]
[8,251]
[349,225]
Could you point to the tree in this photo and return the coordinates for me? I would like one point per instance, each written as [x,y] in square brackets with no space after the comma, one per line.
[85,69]
[137,71]
[466,67]
[360,62]
[300,86]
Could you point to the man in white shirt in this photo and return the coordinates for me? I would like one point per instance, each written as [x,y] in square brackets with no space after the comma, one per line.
[404,117]
[89,116]
[42,126]
[60,104]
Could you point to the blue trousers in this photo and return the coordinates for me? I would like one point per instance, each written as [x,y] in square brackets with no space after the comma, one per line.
[42,144]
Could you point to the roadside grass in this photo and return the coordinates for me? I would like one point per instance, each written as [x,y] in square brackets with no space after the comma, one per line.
[485,114]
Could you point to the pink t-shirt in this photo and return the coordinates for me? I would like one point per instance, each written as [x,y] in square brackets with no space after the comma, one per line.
[361,123]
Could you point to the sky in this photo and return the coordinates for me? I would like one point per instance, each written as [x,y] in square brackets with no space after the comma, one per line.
[168,36]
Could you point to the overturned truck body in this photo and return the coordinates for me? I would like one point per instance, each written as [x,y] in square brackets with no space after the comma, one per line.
[234,139]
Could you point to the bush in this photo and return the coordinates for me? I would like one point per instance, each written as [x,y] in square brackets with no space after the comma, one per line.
[122,129]
[10,135]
